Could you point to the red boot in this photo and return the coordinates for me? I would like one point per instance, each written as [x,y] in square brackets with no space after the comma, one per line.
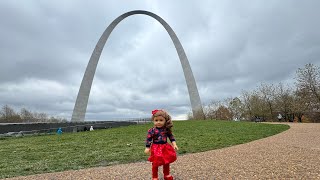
[168,177]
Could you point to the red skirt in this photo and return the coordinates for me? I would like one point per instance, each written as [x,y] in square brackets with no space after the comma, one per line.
[162,154]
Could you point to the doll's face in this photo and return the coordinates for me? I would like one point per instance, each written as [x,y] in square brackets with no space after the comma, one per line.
[159,121]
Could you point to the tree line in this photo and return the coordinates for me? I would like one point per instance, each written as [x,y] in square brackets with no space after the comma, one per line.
[298,102]
[9,115]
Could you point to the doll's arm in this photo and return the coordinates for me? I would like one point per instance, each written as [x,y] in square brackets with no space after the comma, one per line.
[149,138]
[172,139]
[148,141]
[170,135]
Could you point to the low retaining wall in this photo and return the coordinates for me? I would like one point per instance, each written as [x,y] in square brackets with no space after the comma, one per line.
[33,128]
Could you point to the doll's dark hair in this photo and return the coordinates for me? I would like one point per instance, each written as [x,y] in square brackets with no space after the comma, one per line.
[165,115]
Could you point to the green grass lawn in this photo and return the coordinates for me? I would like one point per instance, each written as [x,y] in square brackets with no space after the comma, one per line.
[51,153]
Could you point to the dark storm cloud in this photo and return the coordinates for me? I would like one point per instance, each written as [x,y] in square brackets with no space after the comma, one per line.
[232,46]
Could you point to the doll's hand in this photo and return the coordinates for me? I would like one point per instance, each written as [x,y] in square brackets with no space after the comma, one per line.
[147,150]
[174,145]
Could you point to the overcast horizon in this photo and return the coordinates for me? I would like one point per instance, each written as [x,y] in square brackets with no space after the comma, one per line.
[231,46]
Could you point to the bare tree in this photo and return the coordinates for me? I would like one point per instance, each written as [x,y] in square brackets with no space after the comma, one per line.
[308,84]
[189,116]
[7,112]
[267,93]
[207,112]
[211,109]
[300,104]
[9,115]
[284,100]
[254,105]
[26,115]
[43,117]
[223,113]
[247,106]
[260,107]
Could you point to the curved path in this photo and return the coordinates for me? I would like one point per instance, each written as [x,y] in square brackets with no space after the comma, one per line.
[293,154]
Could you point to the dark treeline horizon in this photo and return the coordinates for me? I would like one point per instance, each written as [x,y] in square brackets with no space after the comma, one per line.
[9,115]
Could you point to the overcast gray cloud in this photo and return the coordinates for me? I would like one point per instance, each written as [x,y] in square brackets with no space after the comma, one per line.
[231,45]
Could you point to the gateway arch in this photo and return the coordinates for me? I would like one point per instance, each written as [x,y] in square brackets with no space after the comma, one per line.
[80,106]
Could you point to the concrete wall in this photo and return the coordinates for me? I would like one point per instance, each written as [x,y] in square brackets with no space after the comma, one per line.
[31,128]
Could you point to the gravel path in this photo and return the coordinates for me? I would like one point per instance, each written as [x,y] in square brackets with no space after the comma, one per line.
[293,154]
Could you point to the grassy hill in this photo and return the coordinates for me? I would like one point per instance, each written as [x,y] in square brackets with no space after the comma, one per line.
[50,153]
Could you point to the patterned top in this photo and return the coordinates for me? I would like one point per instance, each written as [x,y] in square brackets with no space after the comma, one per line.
[159,136]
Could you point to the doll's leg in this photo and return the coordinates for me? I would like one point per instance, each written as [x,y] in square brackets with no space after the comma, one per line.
[166,172]
[154,171]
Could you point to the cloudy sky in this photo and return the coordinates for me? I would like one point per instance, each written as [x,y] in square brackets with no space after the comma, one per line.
[232,46]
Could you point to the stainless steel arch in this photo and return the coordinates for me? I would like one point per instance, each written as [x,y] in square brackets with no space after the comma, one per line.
[84,91]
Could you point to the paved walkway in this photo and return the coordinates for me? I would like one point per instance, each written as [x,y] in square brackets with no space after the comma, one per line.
[293,154]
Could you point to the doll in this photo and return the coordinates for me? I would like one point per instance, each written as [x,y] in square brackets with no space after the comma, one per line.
[161,152]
